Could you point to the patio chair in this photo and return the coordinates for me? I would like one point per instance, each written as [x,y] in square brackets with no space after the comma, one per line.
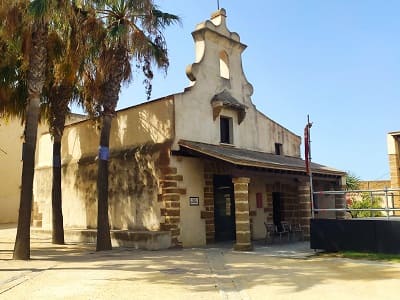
[270,231]
[297,230]
[285,230]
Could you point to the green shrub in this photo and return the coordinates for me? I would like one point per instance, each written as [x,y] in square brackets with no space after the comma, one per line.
[366,202]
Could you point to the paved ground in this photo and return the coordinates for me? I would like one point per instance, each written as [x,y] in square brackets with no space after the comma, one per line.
[278,272]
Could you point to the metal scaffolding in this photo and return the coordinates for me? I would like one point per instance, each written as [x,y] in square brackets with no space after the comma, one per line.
[388,205]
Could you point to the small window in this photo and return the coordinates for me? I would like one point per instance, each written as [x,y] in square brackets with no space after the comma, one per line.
[278,149]
[223,65]
[226,130]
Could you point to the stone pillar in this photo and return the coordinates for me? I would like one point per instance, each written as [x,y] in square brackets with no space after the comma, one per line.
[242,216]
[171,196]
[304,199]
[394,167]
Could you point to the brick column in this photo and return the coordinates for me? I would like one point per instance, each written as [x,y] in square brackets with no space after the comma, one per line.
[394,167]
[242,217]
[171,196]
[304,208]
[393,145]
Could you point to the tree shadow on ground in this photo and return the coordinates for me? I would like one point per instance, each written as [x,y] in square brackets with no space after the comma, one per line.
[206,267]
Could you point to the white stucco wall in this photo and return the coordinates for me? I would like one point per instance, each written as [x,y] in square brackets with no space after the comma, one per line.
[392,143]
[257,185]
[11,137]
[133,178]
[192,226]
[10,169]
[151,122]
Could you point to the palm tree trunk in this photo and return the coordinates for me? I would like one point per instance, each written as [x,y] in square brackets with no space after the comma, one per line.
[59,99]
[110,92]
[103,225]
[36,77]
[56,194]
[22,241]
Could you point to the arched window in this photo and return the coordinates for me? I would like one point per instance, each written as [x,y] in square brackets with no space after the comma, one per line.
[223,65]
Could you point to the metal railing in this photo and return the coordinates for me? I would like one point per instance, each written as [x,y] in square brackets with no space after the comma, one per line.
[389,195]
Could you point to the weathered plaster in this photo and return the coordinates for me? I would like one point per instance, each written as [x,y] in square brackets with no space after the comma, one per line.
[11,137]
[192,227]
[138,136]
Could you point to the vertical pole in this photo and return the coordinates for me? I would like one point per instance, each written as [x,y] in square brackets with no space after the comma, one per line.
[372,213]
[218,4]
[386,203]
[310,172]
[392,203]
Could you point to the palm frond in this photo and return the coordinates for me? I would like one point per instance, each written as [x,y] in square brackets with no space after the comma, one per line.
[162,19]
[38,8]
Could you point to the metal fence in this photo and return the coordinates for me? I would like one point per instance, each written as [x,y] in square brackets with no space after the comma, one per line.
[382,201]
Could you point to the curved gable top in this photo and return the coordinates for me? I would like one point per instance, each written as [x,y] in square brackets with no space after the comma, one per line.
[218,59]
[217,24]
[226,100]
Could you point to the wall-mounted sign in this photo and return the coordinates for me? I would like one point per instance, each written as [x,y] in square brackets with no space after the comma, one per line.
[194,201]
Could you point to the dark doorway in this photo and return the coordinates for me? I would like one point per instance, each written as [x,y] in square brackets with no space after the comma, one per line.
[224,208]
[277,209]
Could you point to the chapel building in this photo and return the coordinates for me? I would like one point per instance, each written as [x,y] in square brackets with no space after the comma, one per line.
[203,165]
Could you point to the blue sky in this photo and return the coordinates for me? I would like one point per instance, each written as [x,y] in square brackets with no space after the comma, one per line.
[338,61]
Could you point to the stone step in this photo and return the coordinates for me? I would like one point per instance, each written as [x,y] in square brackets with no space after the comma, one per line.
[146,240]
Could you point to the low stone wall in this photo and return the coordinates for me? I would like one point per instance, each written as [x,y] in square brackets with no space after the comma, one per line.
[374,184]
[146,240]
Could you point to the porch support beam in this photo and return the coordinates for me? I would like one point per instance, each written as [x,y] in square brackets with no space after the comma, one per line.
[304,197]
[242,216]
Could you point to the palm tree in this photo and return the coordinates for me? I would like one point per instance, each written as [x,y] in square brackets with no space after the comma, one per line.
[23,25]
[132,31]
[35,82]
[68,53]
[25,28]
[352,181]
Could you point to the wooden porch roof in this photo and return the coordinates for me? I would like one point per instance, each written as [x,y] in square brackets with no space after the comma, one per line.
[250,158]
